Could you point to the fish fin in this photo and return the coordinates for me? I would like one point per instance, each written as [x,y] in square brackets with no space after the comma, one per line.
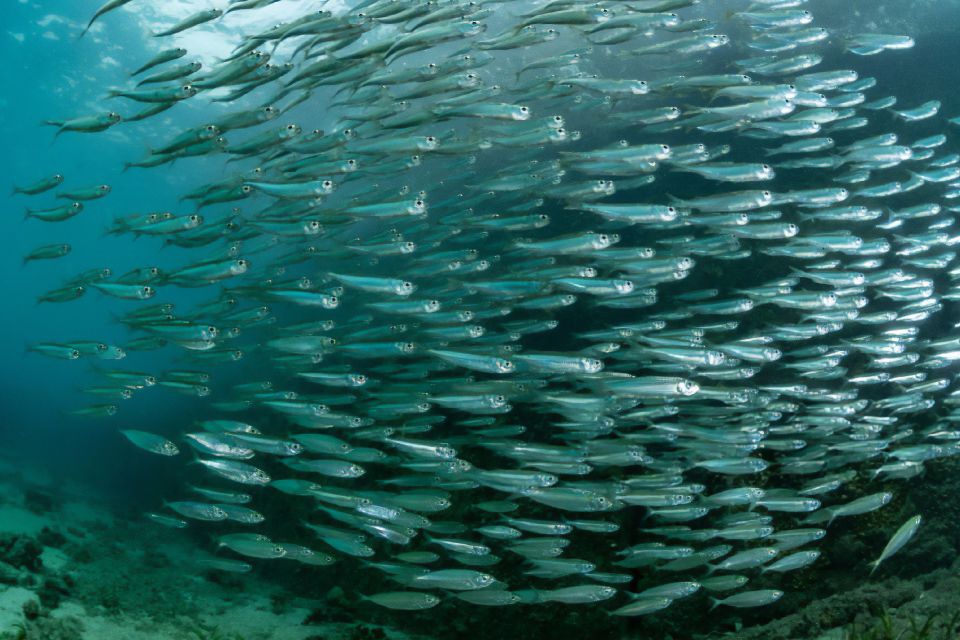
[714,603]
[865,51]
[873,566]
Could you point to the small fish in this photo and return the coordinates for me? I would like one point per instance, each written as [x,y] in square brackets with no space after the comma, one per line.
[900,538]
[151,442]
[40,186]
[749,599]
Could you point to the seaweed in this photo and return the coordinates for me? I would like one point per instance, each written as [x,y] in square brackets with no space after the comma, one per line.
[201,631]
[885,628]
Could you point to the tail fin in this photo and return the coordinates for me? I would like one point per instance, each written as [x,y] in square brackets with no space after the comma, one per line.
[874,565]
[714,603]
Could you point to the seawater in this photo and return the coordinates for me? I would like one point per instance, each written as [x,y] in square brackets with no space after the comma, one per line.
[50,74]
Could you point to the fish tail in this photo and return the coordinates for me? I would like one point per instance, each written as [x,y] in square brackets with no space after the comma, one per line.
[873,566]
[714,603]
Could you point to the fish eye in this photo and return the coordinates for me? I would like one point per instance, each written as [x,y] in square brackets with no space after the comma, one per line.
[186,87]
[194,218]
[665,148]
[524,110]
[765,167]
[431,139]
[314,224]
[76,205]
[603,237]
[767,194]
[327,183]
[246,188]
[211,127]
[147,290]
[418,203]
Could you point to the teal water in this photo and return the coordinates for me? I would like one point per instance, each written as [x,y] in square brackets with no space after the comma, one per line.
[57,75]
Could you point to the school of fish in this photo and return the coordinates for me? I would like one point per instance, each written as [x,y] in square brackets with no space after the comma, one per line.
[479,333]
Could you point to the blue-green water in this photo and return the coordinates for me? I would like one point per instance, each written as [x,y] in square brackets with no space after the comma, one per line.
[54,75]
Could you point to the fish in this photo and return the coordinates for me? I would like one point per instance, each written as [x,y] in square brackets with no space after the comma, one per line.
[40,186]
[900,538]
[48,252]
[109,6]
[151,442]
[191,21]
[749,599]
[167,55]
[404,600]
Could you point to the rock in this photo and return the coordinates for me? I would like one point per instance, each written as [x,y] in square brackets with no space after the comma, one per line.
[21,551]
[50,538]
[9,574]
[13,603]
[31,609]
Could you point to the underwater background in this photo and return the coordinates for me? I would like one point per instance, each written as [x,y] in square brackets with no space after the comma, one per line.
[79,558]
